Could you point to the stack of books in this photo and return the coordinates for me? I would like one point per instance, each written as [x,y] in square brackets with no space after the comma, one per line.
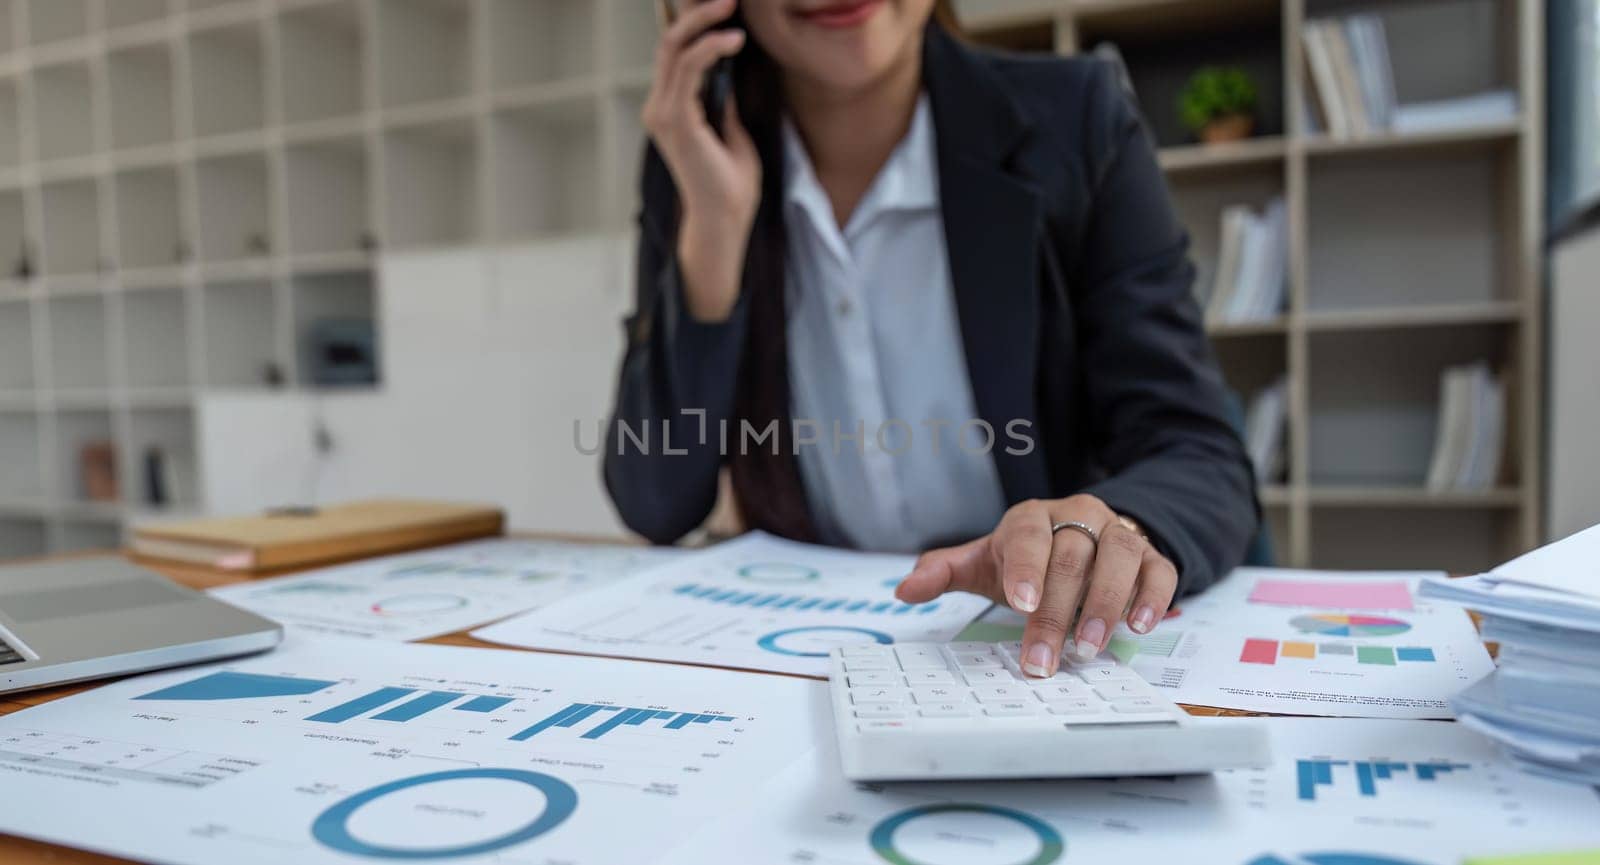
[1353,86]
[1252,265]
[1471,433]
[1264,427]
[1542,705]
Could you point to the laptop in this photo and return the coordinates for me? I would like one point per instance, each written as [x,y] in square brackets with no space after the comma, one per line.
[76,619]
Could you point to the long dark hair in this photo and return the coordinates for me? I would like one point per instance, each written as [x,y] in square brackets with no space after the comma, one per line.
[766,478]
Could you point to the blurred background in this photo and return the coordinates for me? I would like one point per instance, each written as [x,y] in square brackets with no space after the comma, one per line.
[270,252]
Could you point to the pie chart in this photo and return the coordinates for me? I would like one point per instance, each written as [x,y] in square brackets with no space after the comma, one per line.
[1344,625]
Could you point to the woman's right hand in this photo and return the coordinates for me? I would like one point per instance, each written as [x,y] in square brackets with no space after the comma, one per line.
[718,177]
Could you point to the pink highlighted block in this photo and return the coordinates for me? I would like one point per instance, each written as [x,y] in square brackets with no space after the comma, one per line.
[1259,652]
[1334,594]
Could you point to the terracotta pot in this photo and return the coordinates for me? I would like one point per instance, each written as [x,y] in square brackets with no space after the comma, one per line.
[1234,127]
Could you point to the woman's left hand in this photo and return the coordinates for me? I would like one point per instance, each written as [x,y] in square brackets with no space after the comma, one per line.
[1051,574]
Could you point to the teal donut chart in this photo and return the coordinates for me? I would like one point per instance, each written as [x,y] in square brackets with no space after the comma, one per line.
[332,827]
[770,641]
[1051,845]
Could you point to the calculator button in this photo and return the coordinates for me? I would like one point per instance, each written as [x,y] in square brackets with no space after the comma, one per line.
[879,711]
[877,677]
[918,658]
[930,677]
[1141,705]
[987,677]
[1096,661]
[977,661]
[1010,710]
[939,694]
[860,651]
[1096,675]
[1075,707]
[857,665]
[1001,693]
[945,710]
[863,696]
[969,646]
[1121,690]
[1065,689]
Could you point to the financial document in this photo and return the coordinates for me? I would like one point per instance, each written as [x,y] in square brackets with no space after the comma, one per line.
[1340,792]
[1269,640]
[439,591]
[756,602]
[339,751]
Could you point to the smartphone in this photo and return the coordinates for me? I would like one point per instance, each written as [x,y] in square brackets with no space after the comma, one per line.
[718,86]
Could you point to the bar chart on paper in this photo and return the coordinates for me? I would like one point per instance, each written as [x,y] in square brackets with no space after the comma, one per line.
[752,603]
[349,748]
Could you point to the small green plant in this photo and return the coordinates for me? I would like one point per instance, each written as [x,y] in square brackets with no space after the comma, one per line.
[1215,92]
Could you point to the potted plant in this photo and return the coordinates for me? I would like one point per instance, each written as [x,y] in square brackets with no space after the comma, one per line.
[1218,104]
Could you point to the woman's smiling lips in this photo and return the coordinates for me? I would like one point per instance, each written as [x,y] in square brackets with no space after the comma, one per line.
[839,15]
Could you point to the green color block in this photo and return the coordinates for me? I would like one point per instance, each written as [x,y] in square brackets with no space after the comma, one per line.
[1375,655]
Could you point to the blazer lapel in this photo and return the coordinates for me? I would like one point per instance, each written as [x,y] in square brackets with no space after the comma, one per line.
[992,219]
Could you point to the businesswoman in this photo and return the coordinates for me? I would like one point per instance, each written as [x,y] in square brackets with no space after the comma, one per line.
[955,281]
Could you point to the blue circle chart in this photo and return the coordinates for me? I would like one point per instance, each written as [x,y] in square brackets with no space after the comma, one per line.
[332,827]
[778,572]
[1332,858]
[771,641]
[1051,845]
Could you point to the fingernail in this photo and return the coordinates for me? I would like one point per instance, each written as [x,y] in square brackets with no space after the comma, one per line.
[1089,636]
[1144,619]
[1025,598]
[1037,661]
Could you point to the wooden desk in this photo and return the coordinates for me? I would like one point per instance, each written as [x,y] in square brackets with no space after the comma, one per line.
[21,851]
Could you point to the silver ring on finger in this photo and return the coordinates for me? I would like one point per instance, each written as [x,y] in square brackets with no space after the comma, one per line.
[1083,528]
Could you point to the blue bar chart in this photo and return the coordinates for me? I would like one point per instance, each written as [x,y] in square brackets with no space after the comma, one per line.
[782,601]
[1312,774]
[615,717]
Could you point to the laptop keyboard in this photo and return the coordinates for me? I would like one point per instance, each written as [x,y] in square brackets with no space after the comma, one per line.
[8,654]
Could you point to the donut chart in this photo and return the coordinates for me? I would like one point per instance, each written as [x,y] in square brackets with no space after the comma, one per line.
[332,827]
[1046,842]
[815,641]
[1344,625]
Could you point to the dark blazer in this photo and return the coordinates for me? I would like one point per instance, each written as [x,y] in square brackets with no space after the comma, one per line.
[1072,284]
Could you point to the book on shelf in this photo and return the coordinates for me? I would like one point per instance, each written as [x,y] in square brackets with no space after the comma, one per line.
[1264,427]
[1352,87]
[1252,265]
[1471,432]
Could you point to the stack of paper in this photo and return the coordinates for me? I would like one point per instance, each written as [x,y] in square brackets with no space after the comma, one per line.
[1252,265]
[1543,703]
[1353,85]
[1471,431]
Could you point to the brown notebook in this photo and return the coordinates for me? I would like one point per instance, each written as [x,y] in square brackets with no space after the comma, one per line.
[277,541]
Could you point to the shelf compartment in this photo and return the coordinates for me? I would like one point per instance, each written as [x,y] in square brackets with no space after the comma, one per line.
[78,335]
[21,453]
[64,104]
[155,339]
[438,30]
[75,430]
[431,174]
[240,332]
[52,21]
[132,13]
[338,301]
[71,227]
[328,183]
[1455,540]
[1362,255]
[228,82]
[14,252]
[634,32]
[1412,497]
[169,431]
[23,538]
[235,217]
[88,535]
[1374,401]
[10,125]
[323,47]
[545,169]
[16,348]
[148,219]
[1200,198]
[141,85]
[540,41]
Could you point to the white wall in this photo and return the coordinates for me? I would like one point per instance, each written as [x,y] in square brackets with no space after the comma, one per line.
[1573,457]
[489,355]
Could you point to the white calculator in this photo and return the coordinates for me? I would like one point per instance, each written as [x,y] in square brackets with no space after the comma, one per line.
[932,711]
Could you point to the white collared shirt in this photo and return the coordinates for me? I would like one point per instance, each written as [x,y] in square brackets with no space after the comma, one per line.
[876,362]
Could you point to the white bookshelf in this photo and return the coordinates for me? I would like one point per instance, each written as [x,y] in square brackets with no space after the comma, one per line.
[187,185]
[1408,253]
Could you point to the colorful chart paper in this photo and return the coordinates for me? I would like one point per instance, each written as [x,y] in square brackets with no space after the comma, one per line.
[1348,625]
[1333,594]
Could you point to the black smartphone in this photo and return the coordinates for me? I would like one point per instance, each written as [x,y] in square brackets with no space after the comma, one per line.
[718,86]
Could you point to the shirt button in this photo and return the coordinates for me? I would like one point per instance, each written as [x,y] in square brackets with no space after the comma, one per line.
[845,307]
